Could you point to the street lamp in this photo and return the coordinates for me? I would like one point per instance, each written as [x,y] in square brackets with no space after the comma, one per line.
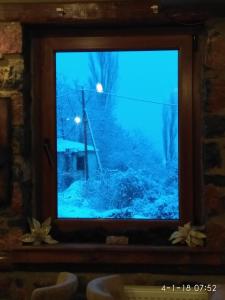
[99,88]
[77,120]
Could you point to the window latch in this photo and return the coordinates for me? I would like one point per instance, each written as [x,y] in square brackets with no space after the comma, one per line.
[47,149]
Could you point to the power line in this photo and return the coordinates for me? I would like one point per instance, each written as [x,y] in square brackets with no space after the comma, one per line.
[124,97]
[139,99]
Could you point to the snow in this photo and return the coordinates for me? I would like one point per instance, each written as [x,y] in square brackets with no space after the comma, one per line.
[74,203]
[63,145]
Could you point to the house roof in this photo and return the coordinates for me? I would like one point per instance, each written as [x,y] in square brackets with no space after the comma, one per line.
[63,145]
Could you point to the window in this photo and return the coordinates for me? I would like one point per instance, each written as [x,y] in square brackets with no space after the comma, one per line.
[80,163]
[116,125]
[119,110]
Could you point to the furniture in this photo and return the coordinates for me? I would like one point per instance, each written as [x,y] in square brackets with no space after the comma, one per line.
[112,288]
[106,288]
[219,294]
[64,289]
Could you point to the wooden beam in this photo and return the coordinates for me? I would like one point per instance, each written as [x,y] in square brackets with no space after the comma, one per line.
[101,254]
[76,12]
[102,11]
[5,262]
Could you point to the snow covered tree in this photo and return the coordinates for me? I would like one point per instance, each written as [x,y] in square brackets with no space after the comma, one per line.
[67,107]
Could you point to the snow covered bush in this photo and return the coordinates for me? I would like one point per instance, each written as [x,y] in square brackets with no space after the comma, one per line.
[130,185]
[130,194]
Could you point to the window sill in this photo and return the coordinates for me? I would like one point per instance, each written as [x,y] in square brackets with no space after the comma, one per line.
[5,262]
[101,254]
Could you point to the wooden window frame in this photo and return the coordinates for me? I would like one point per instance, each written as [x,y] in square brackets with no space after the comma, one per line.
[43,49]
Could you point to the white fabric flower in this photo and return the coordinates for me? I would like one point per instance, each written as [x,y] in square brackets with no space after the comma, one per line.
[39,233]
[188,235]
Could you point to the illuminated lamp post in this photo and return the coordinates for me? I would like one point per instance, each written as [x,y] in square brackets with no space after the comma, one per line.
[77,120]
[99,88]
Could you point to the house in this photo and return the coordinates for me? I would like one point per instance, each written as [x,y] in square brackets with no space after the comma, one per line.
[71,162]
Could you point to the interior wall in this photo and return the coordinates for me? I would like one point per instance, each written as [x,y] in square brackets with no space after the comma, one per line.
[11,87]
[213,132]
[14,84]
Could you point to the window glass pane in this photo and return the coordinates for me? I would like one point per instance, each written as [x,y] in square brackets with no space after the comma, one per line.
[117,134]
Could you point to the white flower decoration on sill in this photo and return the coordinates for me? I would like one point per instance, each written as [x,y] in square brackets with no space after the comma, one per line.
[39,233]
[188,235]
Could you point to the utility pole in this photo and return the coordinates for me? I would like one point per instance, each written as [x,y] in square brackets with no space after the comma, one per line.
[94,144]
[85,135]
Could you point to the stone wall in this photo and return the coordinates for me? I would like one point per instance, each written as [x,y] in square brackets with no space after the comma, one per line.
[11,87]
[13,215]
[213,104]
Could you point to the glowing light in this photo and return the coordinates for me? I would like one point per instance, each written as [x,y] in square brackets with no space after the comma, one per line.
[77,120]
[99,88]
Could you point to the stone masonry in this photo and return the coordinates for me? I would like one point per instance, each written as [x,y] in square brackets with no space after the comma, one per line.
[11,87]
[214,132]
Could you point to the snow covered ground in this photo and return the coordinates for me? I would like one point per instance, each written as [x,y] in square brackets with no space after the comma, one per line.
[73,203]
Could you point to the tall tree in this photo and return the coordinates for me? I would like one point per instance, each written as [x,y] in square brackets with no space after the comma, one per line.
[169,128]
[103,69]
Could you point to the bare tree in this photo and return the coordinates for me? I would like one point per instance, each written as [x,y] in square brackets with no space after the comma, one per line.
[104,69]
[169,129]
